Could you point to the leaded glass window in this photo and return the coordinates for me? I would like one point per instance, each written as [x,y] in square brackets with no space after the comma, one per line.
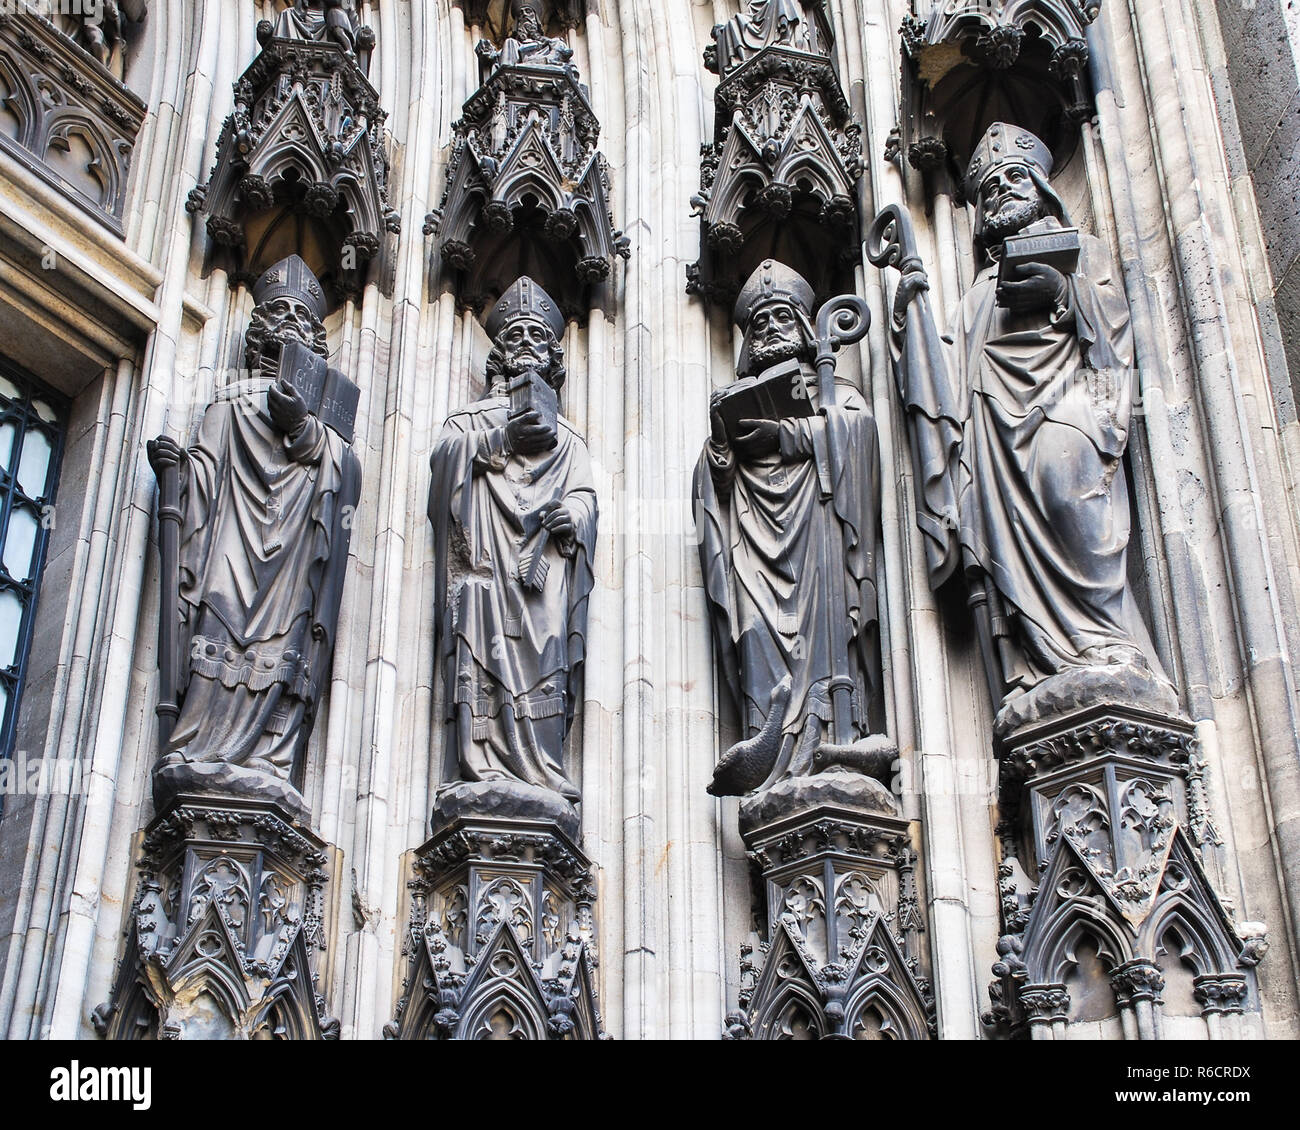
[31,440]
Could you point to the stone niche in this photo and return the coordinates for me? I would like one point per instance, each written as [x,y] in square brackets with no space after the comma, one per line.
[527,190]
[779,179]
[970,63]
[66,118]
[302,164]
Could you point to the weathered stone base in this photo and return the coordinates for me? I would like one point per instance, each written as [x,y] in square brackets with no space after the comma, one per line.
[1123,686]
[1107,806]
[840,959]
[835,788]
[504,800]
[226,933]
[501,941]
[218,779]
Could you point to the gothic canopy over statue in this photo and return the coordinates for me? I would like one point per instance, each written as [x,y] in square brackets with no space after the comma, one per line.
[969,63]
[779,179]
[527,190]
[302,162]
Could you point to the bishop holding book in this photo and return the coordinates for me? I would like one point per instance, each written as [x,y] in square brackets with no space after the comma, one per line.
[786,502]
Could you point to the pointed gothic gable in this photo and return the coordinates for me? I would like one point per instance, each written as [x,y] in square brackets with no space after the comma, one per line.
[500,995]
[527,192]
[1073,903]
[873,983]
[1071,893]
[1071,897]
[531,166]
[307,140]
[1184,894]
[502,981]
[157,992]
[810,150]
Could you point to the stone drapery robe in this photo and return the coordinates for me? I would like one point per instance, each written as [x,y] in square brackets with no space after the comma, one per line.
[765,527]
[263,556]
[764,23]
[1019,466]
[327,19]
[511,657]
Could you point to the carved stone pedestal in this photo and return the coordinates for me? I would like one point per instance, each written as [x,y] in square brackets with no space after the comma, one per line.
[1106,807]
[841,916]
[226,938]
[501,941]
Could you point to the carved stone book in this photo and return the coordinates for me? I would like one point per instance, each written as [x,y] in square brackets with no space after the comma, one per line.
[1051,246]
[529,392]
[328,394]
[780,393]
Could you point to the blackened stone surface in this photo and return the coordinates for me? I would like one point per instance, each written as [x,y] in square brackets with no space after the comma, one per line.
[511,800]
[836,787]
[220,780]
[1079,688]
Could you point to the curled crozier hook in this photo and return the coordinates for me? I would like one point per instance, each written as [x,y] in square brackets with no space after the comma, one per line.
[841,321]
[891,241]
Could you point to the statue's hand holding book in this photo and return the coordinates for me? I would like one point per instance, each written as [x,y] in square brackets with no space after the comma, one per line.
[779,393]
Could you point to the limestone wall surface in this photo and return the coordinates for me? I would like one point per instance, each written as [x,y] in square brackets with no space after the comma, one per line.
[139,340]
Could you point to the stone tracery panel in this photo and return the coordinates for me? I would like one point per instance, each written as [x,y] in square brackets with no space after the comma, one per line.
[67,119]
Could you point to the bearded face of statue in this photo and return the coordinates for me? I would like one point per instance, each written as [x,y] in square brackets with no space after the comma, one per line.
[1009,202]
[526,345]
[775,335]
[528,25]
[276,322]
